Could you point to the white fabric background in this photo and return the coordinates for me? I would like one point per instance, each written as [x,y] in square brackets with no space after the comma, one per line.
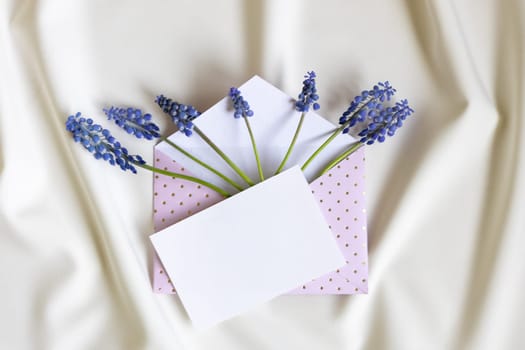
[445,196]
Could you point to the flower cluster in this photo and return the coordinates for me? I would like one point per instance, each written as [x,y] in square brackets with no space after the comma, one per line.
[382,91]
[308,95]
[100,143]
[371,111]
[181,115]
[386,123]
[241,106]
[368,103]
[134,122]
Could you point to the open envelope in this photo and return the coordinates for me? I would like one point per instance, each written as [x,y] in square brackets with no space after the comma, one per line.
[340,192]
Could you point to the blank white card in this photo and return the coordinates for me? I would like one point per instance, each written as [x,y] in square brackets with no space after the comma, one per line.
[248,249]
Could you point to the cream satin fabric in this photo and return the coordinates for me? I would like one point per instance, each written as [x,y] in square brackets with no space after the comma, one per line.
[445,196]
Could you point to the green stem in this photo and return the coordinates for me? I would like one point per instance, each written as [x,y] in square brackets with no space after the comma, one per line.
[342,156]
[259,167]
[183,177]
[223,156]
[292,144]
[333,136]
[323,146]
[203,164]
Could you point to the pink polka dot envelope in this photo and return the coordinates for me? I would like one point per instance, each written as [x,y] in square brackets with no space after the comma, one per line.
[339,193]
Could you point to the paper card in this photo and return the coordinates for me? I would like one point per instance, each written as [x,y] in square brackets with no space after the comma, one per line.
[248,249]
[339,193]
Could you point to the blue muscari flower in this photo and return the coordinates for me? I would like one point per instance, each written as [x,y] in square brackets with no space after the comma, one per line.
[182,115]
[308,95]
[240,105]
[367,104]
[383,91]
[385,123]
[101,143]
[134,122]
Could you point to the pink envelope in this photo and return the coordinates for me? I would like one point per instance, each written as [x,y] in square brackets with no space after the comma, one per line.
[341,198]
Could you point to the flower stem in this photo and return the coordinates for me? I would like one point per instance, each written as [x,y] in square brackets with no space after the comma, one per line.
[203,164]
[355,146]
[223,156]
[333,136]
[322,147]
[183,177]
[292,144]
[259,167]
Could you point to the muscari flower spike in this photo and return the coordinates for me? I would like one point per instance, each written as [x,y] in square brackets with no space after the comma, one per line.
[383,91]
[385,123]
[368,103]
[240,105]
[101,143]
[134,122]
[308,95]
[182,115]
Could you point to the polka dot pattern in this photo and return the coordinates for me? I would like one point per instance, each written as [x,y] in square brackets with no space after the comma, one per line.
[341,197]
[340,194]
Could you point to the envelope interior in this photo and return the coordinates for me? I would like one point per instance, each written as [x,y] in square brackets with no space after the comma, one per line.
[273,124]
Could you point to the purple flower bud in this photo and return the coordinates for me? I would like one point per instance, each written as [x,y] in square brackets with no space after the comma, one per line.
[308,94]
[240,106]
[100,143]
[181,115]
[132,121]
